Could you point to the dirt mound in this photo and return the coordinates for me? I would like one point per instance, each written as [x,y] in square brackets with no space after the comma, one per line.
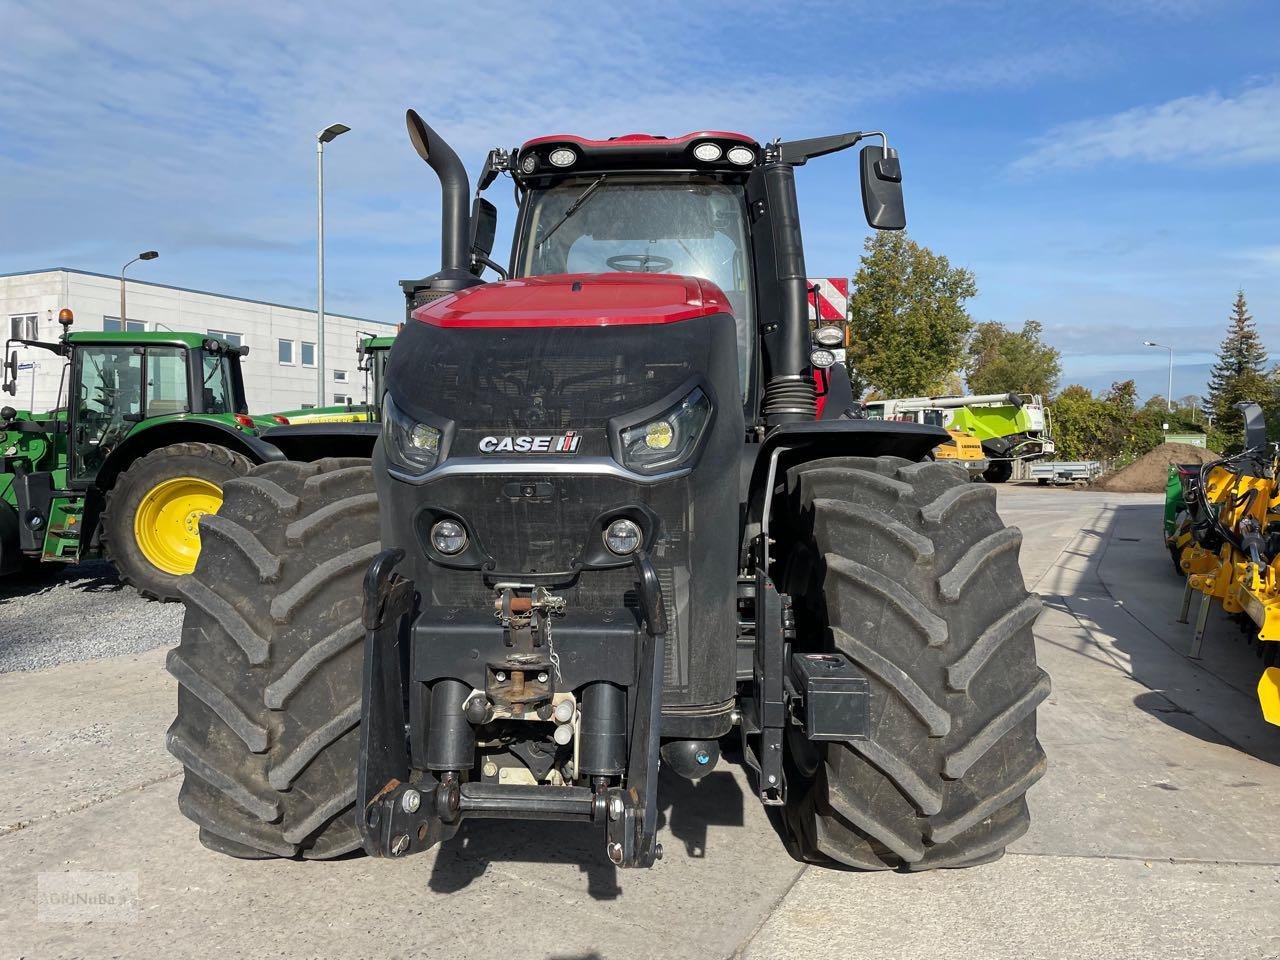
[1150,472]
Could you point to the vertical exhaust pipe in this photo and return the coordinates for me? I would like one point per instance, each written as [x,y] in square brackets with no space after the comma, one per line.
[455,219]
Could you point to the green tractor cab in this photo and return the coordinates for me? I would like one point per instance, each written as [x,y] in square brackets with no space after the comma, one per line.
[373,353]
[148,428]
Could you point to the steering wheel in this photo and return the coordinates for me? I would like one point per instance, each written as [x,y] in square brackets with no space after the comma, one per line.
[639,263]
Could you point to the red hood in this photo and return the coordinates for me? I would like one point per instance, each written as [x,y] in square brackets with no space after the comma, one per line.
[578,300]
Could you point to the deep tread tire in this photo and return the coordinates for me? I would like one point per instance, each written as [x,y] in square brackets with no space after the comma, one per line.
[208,461]
[998,472]
[908,570]
[270,662]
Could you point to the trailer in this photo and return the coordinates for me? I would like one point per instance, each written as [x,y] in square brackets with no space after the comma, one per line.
[1059,472]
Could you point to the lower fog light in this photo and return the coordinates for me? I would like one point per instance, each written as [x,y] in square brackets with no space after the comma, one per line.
[623,538]
[449,537]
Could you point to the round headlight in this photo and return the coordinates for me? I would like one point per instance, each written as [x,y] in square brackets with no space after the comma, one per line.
[562,157]
[658,435]
[623,538]
[707,152]
[822,358]
[529,163]
[829,336]
[741,156]
[449,537]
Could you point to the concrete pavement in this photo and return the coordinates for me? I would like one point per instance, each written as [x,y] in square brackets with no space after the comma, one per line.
[1153,833]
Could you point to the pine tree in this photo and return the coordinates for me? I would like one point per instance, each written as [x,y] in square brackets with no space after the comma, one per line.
[1239,372]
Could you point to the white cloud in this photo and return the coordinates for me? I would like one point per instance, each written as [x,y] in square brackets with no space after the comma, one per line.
[1207,129]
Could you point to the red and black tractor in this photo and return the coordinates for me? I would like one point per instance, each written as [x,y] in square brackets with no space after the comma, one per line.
[605,529]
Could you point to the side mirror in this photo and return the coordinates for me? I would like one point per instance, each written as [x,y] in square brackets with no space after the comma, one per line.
[484,227]
[11,374]
[882,188]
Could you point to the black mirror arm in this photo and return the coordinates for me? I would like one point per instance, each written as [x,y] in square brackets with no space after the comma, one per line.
[482,260]
[798,152]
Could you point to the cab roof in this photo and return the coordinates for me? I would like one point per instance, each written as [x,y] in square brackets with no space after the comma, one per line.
[155,338]
[635,151]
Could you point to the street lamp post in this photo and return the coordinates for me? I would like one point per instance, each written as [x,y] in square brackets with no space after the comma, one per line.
[145,255]
[327,135]
[1168,400]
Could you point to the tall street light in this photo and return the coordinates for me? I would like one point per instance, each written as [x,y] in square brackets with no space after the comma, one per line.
[1168,400]
[327,135]
[145,255]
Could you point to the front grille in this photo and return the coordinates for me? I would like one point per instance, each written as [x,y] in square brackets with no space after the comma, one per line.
[547,534]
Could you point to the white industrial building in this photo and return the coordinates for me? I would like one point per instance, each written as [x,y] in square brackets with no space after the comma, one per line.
[279,372]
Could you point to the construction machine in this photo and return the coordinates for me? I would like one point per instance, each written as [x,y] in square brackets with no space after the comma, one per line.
[1010,426]
[603,529]
[1228,545]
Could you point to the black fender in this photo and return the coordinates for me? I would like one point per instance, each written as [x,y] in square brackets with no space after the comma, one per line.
[791,443]
[313,441]
[839,393]
[162,435]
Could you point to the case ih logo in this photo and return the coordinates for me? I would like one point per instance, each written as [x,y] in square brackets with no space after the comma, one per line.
[555,443]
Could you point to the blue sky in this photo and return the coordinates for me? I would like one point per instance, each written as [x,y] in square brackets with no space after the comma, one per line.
[1108,167]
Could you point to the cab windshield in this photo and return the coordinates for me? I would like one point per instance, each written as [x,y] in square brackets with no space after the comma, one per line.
[693,227]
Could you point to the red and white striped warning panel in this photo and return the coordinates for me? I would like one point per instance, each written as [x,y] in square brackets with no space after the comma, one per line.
[833,297]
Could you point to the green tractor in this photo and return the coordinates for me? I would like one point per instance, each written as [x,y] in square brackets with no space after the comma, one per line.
[148,428]
[372,352]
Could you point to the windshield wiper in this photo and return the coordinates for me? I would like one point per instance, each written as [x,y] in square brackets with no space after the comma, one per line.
[572,208]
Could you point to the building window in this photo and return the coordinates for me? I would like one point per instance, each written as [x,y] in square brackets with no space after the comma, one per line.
[22,326]
[308,354]
[285,352]
[308,406]
[112,325]
[339,376]
[235,339]
[341,398]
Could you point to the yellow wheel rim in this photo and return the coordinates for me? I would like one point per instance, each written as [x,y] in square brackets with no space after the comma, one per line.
[167,524]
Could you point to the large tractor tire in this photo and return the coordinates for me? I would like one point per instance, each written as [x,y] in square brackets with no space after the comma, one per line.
[269,666]
[151,520]
[907,569]
[998,471]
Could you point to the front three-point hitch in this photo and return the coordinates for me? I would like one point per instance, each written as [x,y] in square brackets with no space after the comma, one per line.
[434,688]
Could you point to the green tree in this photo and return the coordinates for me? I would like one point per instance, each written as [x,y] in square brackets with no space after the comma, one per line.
[1239,372]
[1112,427]
[907,318]
[1000,360]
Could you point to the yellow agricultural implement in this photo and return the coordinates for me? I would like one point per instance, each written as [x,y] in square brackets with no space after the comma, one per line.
[1233,554]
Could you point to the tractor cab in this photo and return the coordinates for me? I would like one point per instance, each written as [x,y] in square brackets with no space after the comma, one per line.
[116,381]
[372,353]
[714,205]
[120,380]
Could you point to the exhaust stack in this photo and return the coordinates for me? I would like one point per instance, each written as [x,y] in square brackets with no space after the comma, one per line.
[455,221]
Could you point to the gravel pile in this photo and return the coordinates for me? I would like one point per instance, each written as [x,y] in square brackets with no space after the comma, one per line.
[64,614]
[1150,473]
